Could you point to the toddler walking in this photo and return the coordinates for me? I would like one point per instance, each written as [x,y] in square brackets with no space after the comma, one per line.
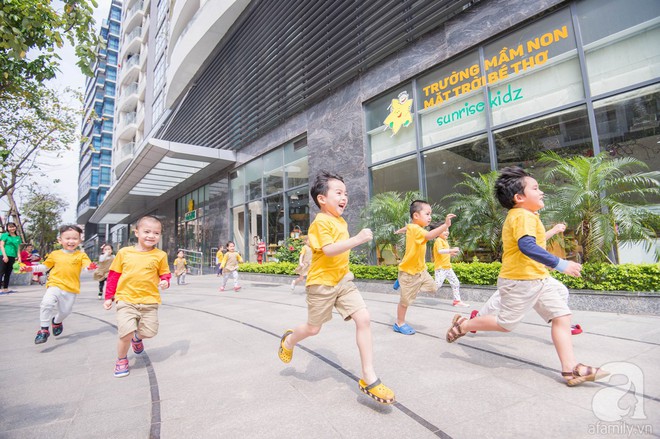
[180,268]
[63,284]
[101,273]
[229,266]
[442,254]
[134,280]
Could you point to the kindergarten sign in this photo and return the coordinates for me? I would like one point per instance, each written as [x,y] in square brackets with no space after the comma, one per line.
[509,62]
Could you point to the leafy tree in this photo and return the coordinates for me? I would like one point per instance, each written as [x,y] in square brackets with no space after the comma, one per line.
[386,213]
[27,132]
[603,199]
[479,215]
[43,214]
[30,32]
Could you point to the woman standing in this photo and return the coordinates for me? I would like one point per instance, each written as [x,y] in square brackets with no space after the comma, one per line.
[9,245]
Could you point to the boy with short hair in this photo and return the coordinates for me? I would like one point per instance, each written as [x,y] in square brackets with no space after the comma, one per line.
[63,284]
[135,276]
[524,282]
[413,273]
[329,282]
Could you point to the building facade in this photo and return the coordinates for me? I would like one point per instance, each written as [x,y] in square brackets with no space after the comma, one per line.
[393,96]
[95,165]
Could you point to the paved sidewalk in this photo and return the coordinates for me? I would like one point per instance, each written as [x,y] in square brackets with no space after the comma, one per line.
[213,372]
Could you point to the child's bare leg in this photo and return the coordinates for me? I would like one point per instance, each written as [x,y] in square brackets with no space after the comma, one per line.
[561,337]
[401,314]
[300,333]
[482,323]
[365,345]
[122,345]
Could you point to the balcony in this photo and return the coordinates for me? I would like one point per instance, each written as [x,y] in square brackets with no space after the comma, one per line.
[127,126]
[123,157]
[129,97]
[132,41]
[133,17]
[130,70]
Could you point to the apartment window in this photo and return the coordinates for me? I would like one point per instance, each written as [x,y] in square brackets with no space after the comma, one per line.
[112,58]
[106,157]
[114,28]
[113,43]
[111,73]
[158,106]
[159,74]
[115,14]
[105,175]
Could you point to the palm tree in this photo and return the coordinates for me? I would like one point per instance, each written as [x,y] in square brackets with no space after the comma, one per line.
[479,215]
[603,199]
[386,213]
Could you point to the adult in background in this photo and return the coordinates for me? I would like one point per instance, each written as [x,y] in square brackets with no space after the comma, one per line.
[10,242]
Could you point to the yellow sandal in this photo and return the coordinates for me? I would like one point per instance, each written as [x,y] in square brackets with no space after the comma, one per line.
[285,354]
[378,391]
[576,378]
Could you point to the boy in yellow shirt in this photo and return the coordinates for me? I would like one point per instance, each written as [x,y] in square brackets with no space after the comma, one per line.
[329,282]
[524,282]
[135,276]
[413,274]
[229,266]
[63,284]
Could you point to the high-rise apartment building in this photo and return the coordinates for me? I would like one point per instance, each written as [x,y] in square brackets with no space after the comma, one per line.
[95,166]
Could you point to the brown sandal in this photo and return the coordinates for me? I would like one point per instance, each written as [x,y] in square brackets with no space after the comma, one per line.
[454,332]
[591,374]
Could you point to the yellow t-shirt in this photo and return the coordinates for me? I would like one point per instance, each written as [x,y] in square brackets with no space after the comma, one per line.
[140,274]
[325,270]
[230,261]
[414,260]
[65,269]
[515,265]
[218,257]
[441,261]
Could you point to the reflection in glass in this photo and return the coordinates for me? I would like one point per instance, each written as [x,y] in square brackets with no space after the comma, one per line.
[629,125]
[621,42]
[299,210]
[253,173]
[255,227]
[566,133]
[399,175]
[274,221]
[445,166]
[238,228]
[237,186]
[273,172]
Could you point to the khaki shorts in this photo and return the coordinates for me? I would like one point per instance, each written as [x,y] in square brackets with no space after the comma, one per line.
[412,284]
[546,296]
[139,317]
[322,298]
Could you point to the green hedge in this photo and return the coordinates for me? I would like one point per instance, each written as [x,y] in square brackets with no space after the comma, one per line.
[601,277]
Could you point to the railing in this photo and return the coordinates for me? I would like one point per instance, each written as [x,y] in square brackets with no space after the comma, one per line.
[194,260]
[135,33]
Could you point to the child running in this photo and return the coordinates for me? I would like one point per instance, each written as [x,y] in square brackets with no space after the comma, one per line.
[442,254]
[494,303]
[524,282]
[329,282]
[218,261]
[63,284]
[180,268]
[304,262]
[105,261]
[135,276]
[229,266]
[413,273]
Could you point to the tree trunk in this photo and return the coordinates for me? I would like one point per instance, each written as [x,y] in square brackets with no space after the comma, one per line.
[13,212]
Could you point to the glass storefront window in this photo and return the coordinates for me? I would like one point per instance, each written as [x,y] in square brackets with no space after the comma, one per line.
[445,166]
[629,125]
[399,175]
[534,69]
[237,186]
[297,169]
[620,42]
[383,142]
[255,228]
[238,228]
[566,133]
[253,172]
[451,101]
[298,202]
[273,172]
[275,221]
